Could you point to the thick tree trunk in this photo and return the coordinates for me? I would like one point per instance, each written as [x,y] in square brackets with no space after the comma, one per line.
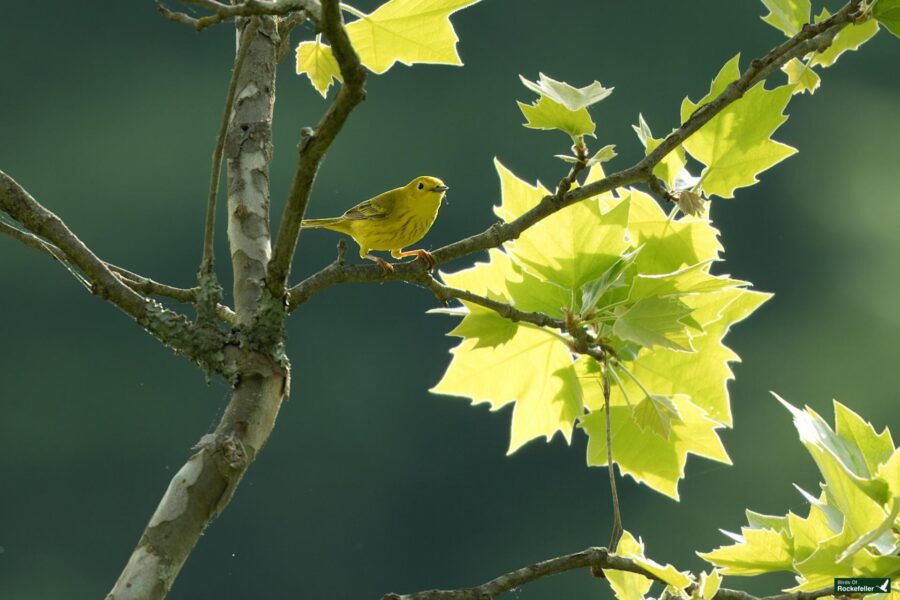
[203,486]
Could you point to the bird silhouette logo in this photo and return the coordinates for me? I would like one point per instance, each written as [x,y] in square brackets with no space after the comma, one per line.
[884,586]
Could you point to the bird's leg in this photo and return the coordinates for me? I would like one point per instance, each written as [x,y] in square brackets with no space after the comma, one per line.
[424,255]
[388,267]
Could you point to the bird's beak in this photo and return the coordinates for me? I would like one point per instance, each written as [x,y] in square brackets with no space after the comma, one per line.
[440,188]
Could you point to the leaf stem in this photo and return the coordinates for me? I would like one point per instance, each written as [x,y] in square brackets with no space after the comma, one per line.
[353,11]
[633,378]
[611,466]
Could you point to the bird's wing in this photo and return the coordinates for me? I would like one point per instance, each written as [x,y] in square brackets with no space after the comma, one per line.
[370,209]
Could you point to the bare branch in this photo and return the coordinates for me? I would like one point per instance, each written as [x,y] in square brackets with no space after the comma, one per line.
[811,38]
[206,266]
[138,283]
[18,204]
[596,558]
[314,146]
[203,345]
[248,8]
[285,27]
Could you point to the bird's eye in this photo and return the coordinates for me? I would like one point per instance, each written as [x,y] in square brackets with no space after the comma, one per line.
[421,185]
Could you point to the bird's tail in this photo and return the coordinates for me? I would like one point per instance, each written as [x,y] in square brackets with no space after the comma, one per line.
[335,224]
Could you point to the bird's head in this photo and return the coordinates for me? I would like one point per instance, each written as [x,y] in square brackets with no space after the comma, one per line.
[425,186]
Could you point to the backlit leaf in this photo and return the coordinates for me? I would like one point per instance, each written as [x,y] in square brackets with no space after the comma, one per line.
[735,145]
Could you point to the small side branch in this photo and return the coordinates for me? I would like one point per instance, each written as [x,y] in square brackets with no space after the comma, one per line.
[48,233]
[222,12]
[18,204]
[314,146]
[594,558]
[206,265]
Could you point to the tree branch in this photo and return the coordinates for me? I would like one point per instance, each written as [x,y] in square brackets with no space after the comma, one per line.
[314,145]
[18,204]
[206,265]
[138,283]
[596,558]
[248,8]
[811,38]
[205,484]
[204,345]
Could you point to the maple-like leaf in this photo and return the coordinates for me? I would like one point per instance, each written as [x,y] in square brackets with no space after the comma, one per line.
[548,114]
[887,12]
[569,96]
[801,76]
[316,61]
[736,144]
[405,31]
[788,16]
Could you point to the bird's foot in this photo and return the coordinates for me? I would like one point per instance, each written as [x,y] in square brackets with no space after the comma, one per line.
[385,265]
[424,255]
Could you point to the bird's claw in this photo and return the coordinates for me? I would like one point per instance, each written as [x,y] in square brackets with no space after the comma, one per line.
[426,257]
[386,266]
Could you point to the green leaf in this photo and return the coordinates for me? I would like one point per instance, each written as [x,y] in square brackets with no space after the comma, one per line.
[650,459]
[668,574]
[709,584]
[549,114]
[760,521]
[655,321]
[672,164]
[890,473]
[849,38]
[703,375]
[611,279]
[604,154]
[875,448]
[318,63]
[533,369]
[562,93]
[405,31]
[822,566]
[757,551]
[887,12]
[735,145]
[695,279]
[486,327]
[849,484]
[518,197]
[801,76]
[669,244]
[788,16]
[809,533]
[625,585]
[484,278]
[656,413]
[573,246]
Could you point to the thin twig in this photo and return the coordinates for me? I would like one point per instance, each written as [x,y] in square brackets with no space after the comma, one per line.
[285,26]
[18,204]
[599,558]
[207,263]
[811,38]
[314,146]
[249,8]
[507,311]
[138,283]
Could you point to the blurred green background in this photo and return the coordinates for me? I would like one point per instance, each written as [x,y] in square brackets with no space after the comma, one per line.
[370,484]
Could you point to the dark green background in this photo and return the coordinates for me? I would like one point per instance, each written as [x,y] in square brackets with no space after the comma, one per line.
[369,483]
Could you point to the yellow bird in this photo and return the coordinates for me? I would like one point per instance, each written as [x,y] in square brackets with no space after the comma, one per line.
[391,221]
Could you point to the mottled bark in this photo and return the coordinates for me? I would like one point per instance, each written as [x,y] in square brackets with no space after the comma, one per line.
[204,485]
